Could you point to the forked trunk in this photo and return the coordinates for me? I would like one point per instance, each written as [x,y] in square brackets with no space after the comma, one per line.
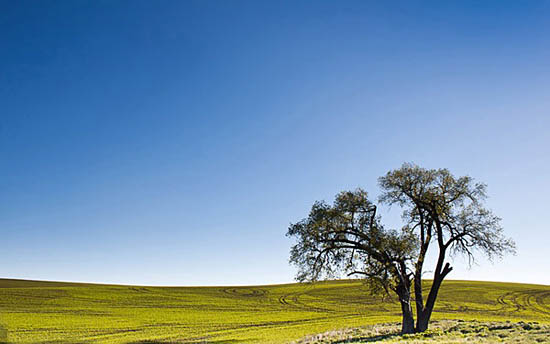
[422,321]
[423,318]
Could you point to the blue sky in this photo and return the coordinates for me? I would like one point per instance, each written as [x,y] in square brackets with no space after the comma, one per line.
[171,143]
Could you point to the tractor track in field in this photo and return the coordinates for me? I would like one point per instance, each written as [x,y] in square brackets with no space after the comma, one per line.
[293,300]
[245,292]
[536,300]
[289,300]
[517,301]
[510,300]
[267,324]
[110,333]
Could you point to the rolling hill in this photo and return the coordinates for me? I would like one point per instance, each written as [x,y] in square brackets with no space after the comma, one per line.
[57,312]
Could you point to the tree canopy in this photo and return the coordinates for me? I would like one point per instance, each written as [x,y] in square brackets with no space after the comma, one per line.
[439,210]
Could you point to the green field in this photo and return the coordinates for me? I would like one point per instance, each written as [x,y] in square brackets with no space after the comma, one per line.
[50,312]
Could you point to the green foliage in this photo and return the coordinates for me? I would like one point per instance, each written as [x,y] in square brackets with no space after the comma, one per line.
[451,206]
[347,237]
[39,312]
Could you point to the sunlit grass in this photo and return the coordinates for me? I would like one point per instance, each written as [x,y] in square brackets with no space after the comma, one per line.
[38,312]
[441,331]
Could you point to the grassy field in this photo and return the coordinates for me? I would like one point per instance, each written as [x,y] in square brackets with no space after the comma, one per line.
[441,331]
[50,312]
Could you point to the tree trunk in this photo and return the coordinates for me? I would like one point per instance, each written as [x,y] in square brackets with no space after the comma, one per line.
[404,292]
[423,318]
[422,321]
[419,300]
[408,318]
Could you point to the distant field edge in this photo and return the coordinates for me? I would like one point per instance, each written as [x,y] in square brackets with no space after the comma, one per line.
[29,283]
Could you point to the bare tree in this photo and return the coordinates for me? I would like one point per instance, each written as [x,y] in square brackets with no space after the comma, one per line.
[439,210]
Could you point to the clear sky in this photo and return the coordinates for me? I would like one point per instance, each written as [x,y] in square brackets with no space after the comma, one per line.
[172,142]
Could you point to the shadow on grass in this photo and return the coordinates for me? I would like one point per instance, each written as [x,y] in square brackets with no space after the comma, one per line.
[227,341]
[234,341]
[367,339]
[3,335]
[3,340]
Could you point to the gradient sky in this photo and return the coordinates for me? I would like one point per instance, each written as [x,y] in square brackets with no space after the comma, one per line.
[172,142]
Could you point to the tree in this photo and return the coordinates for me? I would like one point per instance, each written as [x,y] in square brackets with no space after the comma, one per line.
[439,210]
